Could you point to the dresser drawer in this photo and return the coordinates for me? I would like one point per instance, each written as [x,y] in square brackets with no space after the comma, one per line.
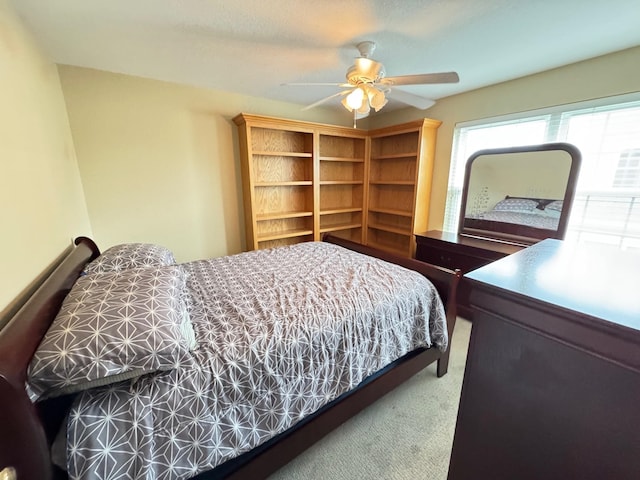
[450,259]
[466,254]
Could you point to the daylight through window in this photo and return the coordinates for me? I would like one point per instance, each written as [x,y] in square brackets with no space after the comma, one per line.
[606,208]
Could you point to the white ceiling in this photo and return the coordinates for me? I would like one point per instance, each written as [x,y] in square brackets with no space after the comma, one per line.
[253,46]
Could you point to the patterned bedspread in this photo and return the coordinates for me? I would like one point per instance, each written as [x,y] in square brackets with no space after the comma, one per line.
[279,334]
[536,220]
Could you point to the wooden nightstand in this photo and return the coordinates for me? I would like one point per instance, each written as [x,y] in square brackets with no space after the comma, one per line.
[452,251]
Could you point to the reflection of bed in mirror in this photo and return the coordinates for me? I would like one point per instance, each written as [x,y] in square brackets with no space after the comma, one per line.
[518,216]
[520,194]
[511,198]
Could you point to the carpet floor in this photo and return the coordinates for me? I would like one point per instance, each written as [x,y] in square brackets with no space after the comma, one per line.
[406,435]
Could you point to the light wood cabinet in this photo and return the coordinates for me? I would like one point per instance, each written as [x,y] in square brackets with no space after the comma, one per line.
[303,179]
[400,173]
[342,184]
[278,184]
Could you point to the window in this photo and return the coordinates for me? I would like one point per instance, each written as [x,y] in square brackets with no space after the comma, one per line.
[628,171]
[606,208]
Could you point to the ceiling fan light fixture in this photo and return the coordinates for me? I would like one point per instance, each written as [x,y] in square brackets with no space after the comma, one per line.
[363,98]
[366,69]
[364,108]
[367,86]
[346,105]
[377,98]
[355,99]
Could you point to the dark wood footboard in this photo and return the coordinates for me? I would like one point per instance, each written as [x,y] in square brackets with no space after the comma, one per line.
[26,431]
[446,282]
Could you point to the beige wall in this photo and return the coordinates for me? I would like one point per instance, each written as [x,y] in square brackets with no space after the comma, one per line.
[160,162]
[613,74]
[42,204]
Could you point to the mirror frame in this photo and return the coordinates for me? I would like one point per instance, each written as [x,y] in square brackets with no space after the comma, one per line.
[523,236]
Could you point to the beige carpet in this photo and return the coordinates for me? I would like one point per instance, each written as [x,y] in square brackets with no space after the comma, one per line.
[405,435]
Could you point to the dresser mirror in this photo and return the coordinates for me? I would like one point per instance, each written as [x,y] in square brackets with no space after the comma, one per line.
[519,195]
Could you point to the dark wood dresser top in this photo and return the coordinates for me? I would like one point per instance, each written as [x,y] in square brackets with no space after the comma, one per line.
[466,241]
[598,281]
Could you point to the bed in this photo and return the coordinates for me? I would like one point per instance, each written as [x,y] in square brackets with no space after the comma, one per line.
[32,417]
[522,216]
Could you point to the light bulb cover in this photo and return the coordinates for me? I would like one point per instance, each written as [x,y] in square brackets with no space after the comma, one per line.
[377,98]
[356,98]
[364,108]
[363,98]
[346,104]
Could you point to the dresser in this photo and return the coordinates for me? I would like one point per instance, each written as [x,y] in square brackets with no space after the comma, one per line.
[551,388]
[465,253]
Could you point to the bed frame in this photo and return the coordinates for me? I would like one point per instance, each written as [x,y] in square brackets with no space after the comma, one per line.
[27,430]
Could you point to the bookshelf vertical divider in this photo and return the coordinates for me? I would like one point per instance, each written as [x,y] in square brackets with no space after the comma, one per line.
[316,186]
[367,165]
[302,179]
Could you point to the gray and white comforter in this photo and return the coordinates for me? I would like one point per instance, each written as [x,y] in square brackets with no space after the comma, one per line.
[535,219]
[280,333]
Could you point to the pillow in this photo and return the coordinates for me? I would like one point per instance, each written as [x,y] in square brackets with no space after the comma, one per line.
[521,205]
[556,205]
[130,255]
[112,327]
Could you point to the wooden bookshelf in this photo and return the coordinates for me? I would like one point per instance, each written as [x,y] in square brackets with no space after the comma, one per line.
[400,173]
[303,179]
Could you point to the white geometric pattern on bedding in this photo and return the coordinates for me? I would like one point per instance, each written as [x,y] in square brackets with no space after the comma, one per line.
[536,219]
[280,333]
[130,255]
[113,326]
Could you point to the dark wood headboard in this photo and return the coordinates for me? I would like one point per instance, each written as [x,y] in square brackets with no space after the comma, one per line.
[20,423]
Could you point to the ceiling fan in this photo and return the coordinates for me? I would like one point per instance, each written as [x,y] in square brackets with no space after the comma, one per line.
[367,87]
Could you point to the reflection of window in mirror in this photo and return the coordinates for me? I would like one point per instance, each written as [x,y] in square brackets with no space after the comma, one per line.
[628,171]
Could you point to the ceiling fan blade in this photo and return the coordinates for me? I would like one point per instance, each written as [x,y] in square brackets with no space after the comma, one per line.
[410,99]
[316,84]
[326,99]
[422,79]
